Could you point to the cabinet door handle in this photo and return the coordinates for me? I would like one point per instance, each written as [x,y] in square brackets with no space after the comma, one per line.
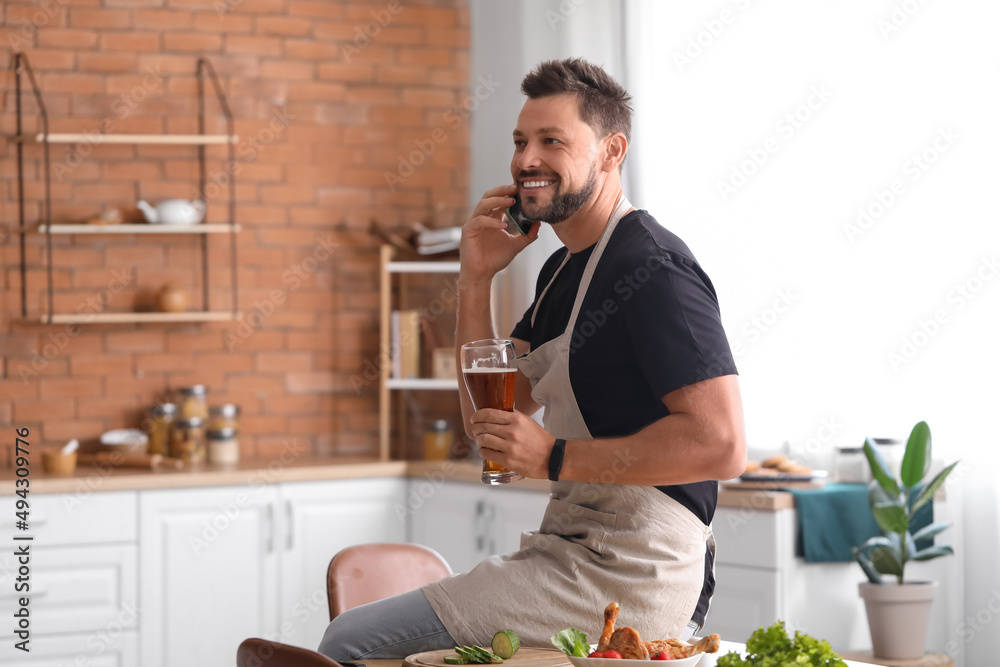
[290,516]
[269,517]
[478,526]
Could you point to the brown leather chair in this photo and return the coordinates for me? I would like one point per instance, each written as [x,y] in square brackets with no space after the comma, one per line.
[369,572]
[263,653]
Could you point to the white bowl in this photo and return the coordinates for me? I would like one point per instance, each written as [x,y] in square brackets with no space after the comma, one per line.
[130,440]
[615,662]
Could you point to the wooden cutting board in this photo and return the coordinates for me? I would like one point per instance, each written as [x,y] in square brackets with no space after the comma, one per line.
[525,657]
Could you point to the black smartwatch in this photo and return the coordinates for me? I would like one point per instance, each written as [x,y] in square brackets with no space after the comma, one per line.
[556,459]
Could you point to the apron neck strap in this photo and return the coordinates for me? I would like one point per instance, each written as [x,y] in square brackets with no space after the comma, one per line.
[595,257]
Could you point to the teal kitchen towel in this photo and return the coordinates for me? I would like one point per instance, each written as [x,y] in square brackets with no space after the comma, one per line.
[833,519]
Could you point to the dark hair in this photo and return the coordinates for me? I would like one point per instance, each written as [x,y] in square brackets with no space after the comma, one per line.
[604,103]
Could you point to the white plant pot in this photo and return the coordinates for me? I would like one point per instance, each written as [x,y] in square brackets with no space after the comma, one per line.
[898,616]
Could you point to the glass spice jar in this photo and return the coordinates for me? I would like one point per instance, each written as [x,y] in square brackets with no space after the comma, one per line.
[224,416]
[161,421]
[188,443]
[438,438]
[223,447]
[192,403]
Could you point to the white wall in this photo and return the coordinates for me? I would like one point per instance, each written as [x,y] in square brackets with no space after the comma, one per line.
[895,75]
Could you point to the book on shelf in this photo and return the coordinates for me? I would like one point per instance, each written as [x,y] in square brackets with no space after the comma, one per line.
[405,343]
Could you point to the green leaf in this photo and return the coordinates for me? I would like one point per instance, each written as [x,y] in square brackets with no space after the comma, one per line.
[929,531]
[571,642]
[891,516]
[886,561]
[865,562]
[880,469]
[934,552]
[928,491]
[878,540]
[917,458]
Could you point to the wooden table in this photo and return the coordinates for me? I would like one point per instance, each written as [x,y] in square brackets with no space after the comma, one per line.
[929,660]
[710,659]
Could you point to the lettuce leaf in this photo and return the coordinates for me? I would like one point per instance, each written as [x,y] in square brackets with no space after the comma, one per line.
[571,642]
[772,647]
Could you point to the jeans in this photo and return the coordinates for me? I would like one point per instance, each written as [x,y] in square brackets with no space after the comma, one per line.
[392,628]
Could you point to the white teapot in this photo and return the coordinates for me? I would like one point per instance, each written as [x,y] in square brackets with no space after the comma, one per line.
[173,212]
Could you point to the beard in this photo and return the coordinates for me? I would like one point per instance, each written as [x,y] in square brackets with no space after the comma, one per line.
[563,204]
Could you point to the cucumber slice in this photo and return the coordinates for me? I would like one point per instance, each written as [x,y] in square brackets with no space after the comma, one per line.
[486,657]
[505,643]
[455,660]
[467,653]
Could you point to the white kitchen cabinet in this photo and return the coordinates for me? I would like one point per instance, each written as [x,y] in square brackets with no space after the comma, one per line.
[223,564]
[467,522]
[209,574]
[320,519]
[83,596]
[759,580]
[110,648]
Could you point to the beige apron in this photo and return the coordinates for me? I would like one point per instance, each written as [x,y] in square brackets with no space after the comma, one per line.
[598,542]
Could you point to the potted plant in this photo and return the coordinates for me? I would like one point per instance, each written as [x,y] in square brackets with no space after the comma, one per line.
[899,609]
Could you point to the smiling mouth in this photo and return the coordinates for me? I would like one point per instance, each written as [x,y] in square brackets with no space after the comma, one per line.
[536,184]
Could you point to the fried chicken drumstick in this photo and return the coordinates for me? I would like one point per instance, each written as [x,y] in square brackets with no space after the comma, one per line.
[631,646]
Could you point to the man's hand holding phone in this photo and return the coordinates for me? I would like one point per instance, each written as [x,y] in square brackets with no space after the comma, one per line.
[487,245]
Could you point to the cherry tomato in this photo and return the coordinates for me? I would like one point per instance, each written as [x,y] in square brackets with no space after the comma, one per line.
[661,655]
[596,654]
[612,654]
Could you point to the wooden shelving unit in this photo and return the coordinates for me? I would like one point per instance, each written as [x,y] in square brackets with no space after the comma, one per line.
[387,383]
[46,227]
[75,228]
[138,318]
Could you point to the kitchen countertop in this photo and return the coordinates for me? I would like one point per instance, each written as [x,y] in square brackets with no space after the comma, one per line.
[101,477]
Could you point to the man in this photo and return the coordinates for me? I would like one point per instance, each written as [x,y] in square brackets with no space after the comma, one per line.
[625,350]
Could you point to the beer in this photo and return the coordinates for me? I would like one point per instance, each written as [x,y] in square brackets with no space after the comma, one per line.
[489,369]
[491,387]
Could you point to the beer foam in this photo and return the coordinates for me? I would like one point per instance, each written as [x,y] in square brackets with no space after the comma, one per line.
[489,370]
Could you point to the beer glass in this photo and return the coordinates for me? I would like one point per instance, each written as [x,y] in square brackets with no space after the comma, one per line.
[489,368]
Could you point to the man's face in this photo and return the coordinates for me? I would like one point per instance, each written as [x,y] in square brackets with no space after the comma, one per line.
[554,163]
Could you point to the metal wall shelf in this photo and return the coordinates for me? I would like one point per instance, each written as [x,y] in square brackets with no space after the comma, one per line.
[75,228]
[48,228]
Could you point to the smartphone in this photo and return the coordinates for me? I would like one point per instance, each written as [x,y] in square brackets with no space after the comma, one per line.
[514,217]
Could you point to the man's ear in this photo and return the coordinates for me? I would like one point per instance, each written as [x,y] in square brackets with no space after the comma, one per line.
[615,148]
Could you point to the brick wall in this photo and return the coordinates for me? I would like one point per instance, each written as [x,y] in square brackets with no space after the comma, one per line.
[328,97]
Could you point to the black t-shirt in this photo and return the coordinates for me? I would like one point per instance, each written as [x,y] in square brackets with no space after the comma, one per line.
[648,325]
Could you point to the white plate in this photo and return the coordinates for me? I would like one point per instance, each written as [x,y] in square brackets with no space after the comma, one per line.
[783,476]
[612,662]
[126,440]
